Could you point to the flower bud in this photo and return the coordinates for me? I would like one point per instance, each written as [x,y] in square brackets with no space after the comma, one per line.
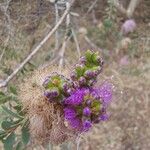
[65,87]
[82,81]
[87,125]
[55,93]
[83,60]
[89,74]
[73,76]
[86,111]
[47,94]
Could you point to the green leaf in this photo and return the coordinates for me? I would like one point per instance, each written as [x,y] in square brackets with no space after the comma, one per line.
[6,125]
[1,93]
[13,90]
[3,98]
[107,23]
[2,134]
[25,135]
[9,142]
[88,55]
[13,114]
[19,146]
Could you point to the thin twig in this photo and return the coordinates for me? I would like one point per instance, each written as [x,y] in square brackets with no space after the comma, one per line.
[120,7]
[57,32]
[78,143]
[91,43]
[62,52]
[76,42]
[37,48]
[2,54]
[92,6]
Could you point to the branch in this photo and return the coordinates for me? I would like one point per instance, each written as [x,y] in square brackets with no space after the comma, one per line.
[91,43]
[131,8]
[57,32]
[62,52]
[76,42]
[120,7]
[92,6]
[37,48]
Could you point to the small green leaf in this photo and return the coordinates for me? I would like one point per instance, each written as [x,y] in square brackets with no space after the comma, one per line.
[6,125]
[107,23]
[3,98]
[13,90]
[9,142]
[1,93]
[88,55]
[13,114]
[25,135]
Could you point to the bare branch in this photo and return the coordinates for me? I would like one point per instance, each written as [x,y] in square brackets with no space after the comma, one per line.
[92,6]
[120,7]
[37,48]
[76,42]
[62,52]
[91,43]
[57,32]
[131,8]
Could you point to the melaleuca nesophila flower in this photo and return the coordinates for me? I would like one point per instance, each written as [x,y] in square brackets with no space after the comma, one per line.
[87,106]
[61,105]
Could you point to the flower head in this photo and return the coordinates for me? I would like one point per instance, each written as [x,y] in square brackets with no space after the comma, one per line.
[85,106]
[105,92]
[128,26]
[87,125]
[69,113]
[86,111]
[76,97]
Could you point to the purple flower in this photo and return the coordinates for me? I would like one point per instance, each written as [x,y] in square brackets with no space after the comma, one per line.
[75,123]
[128,26]
[76,98]
[69,113]
[104,117]
[105,92]
[87,111]
[86,125]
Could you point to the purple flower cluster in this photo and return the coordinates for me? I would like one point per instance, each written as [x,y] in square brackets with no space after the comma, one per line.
[86,107]
[83,104]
